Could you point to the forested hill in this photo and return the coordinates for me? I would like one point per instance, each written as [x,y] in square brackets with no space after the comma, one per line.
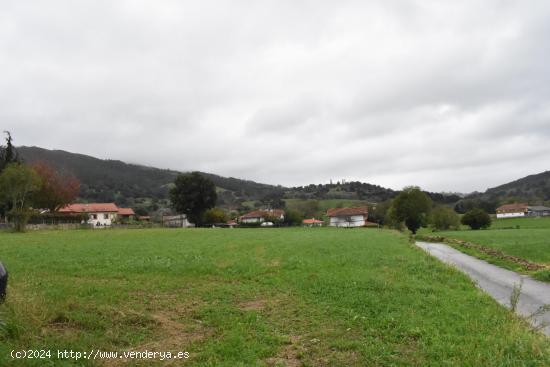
[123,183]
[533,188]
[137,185]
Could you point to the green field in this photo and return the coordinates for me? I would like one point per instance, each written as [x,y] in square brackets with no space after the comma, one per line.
[527,238]
[252,297]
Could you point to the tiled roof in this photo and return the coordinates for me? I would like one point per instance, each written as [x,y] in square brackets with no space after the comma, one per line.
[311,221]
[521,207]
[126,211]
[89,208]
[337,212]
[261,213]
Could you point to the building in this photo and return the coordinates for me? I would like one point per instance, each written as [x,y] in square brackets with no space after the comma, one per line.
[512,210]
[312,222]
[176,221]
[348,217]
[126,214]
[263,216]
[538,211]
[99,214]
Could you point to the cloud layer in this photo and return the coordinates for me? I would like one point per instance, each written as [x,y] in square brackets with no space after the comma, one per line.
[451,96]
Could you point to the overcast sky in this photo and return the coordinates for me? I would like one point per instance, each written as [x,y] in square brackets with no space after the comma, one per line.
[447,95]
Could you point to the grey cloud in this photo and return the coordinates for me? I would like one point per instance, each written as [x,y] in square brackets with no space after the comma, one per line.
[289,92]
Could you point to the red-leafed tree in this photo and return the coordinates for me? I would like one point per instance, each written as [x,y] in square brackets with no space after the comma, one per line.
[57,190]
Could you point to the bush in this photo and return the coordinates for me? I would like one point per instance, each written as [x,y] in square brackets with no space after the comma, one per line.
[476,219]
[214,216]
[444,218]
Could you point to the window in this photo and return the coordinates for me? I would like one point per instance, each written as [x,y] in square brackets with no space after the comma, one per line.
[105,216]
[94,216]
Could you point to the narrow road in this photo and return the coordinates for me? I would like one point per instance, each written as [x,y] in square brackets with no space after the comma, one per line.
[497,282]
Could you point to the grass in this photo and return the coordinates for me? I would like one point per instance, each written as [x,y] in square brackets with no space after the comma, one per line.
[525,238]
[252,297]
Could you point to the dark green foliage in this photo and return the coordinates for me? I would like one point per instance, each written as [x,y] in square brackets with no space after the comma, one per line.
[293,217]
[489,205]
[8,153]
[444,218]
[412,206]
[476,219]
[192,195]
[273,200]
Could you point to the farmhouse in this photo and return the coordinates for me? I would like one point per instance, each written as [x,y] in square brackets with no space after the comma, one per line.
[348,217]
[263,215]
[99,214]
[312,222]
[512,210]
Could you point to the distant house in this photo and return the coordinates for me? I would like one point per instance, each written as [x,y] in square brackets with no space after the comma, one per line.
[126,214]
[262,216]
[538,211]
[512,210]
[176,221]
[99,214]
[312,222]
[348,217]
[522,210]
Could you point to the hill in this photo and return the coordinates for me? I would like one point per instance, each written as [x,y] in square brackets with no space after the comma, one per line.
[135,185]
[145,187]
[533,188]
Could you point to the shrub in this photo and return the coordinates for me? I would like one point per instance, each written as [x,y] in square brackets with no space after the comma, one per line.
[444,218]
[476,219]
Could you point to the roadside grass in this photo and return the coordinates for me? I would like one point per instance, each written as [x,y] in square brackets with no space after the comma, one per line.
[252,297]
[525,238]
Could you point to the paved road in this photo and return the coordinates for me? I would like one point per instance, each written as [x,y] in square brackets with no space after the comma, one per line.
[497,282]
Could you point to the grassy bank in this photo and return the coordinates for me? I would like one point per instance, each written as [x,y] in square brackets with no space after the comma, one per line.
[311,297]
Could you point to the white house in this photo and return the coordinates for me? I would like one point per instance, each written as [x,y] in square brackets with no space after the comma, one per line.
[348,217]
[99,214]
[512,210]
[262,215]
[176,221]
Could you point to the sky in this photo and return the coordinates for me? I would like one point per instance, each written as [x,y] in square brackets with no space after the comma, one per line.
[446,95]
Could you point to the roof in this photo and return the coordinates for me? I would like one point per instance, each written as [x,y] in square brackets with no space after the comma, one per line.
[89,208]
[126,211]
[232,223]
[312,221]
[512,207]
[539,208]
[337,212]
[262,212]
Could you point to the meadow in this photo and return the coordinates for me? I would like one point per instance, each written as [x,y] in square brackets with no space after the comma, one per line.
[525,238]
[252,297]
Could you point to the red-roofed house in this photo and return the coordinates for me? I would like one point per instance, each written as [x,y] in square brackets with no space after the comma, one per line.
[262,215]
[99,214]
[312,222]
[348,217]
[512,210]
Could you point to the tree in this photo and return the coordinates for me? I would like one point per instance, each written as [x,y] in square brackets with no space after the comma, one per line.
[192,195]
[8,153]
[56,190]
[214,216]
[412,206]
[293,218]
[444,218]
[17,183]
[476,219]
